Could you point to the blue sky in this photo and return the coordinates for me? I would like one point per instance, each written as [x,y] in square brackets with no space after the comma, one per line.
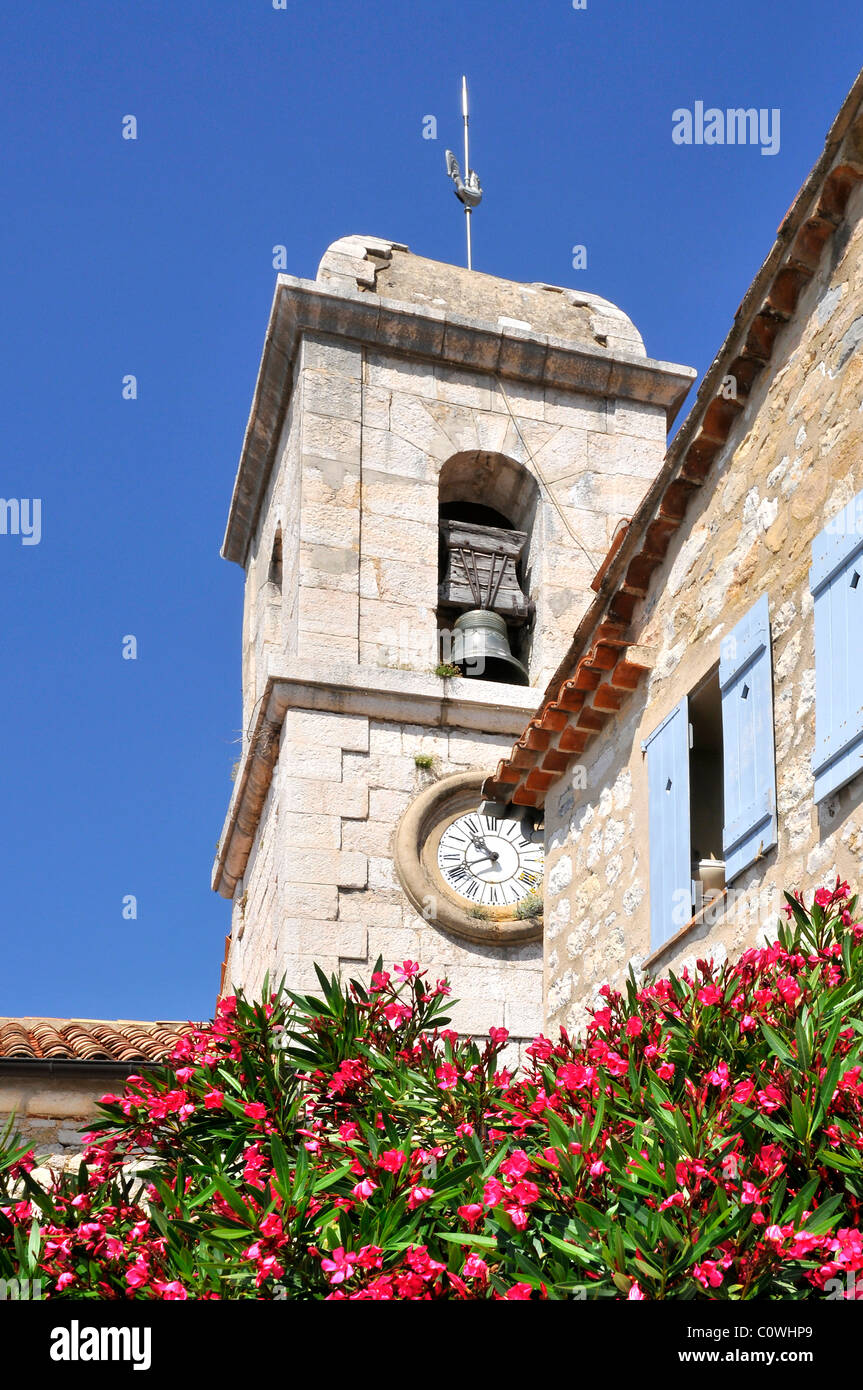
[260,127]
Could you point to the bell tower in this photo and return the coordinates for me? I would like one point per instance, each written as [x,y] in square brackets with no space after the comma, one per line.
[435,465]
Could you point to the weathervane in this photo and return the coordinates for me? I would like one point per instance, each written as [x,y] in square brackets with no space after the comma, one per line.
[467,189]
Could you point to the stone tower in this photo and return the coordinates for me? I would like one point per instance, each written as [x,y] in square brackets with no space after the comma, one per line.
[417,430]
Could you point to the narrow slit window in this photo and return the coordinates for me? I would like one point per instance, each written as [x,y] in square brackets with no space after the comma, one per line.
[275,572]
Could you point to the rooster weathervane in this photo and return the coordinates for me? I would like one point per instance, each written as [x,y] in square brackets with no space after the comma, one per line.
[467,189]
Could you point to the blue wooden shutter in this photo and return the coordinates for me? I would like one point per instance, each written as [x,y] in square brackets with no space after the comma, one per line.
[667,751]
[746,685]
[836,581]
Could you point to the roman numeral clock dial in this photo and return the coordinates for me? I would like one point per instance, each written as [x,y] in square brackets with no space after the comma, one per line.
[471,866]
[490,862]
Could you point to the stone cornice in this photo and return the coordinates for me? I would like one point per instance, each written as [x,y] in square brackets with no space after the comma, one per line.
[304,306]
[378,692]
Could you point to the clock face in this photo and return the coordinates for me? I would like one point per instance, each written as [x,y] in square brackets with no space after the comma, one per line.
[489,862]
[469,871]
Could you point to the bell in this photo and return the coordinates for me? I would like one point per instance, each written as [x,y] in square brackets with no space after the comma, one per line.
[480,646]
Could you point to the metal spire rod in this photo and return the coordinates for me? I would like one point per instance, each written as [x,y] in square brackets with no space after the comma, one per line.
[467,189]
[467,210]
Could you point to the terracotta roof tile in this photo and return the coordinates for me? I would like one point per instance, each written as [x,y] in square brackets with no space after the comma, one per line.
[87,1039]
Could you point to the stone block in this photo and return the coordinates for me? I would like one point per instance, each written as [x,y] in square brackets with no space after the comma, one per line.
[406,499]
[329,394]
[310,831]
[524,1014]
[349,799]
[325,436]
[381,771]
[331,730]
[345,870]
[625,453]
[369,836]
[64,1102]
[384,537]
[331,355]
[315,646]
[399,375]
[327,939]
[392,453]
[328,523]
[370,910]
[309,760]
[467,388]
[320,901]
[328,614]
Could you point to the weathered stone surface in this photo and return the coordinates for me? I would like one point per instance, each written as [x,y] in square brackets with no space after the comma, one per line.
[791,463]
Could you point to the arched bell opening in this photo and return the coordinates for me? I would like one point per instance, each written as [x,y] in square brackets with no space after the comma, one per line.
[488,505]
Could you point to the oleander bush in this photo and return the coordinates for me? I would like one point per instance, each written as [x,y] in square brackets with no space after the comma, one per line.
[703,1140]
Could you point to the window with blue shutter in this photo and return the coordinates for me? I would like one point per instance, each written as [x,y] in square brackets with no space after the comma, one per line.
[746,685]
[836,582]
[667,751]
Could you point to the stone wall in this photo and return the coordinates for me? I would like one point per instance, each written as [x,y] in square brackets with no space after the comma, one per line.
[52,1110]
[793,461]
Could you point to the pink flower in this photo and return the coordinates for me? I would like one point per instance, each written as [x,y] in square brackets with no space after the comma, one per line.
[743,1092]
[271,1226]
[173,1291]
[340,1267]
[635,1295]
[789,989]
[719,1076]
[64,1281]
[769,1099]
[407,970]
[516,1165]
[498,1036]
[392,1160]
[493,1192]
[447,1076]
[364,1189]
[517,1215]
[137,1274]
[519,1293]
[709,994]
[634,1026]
[396,1013]
[255,1110]
[418,1196]
[470,1214]
[213,1099]
[475,1268]
[708,1274]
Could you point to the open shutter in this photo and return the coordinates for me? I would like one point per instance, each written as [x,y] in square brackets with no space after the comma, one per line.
[746,685]
[667,751]
[836,581]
